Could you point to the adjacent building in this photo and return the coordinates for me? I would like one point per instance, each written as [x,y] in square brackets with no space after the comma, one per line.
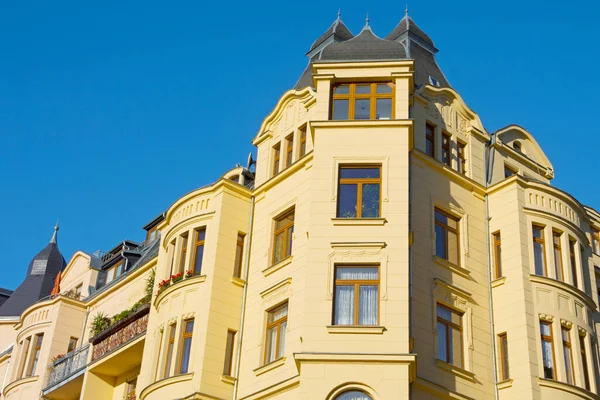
[383,245]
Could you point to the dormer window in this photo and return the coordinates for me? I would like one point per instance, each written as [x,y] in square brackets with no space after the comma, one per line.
[362,101]
[517,146]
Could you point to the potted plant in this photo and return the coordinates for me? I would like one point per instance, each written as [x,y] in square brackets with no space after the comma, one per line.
[176,278]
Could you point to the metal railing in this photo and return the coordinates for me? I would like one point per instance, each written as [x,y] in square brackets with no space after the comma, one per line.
[68,365]
[121,336]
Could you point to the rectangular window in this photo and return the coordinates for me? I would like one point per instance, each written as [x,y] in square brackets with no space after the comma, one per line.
[449,330]
[498,254]
[596,242]
[568,355]
[239,253]
[186,346]
[152,234]
[282,236]
[276,158]
[509,171]
[558,267]
[200,235]
[359,191]
[72,344]
[25,349]
[446,236]
[276,327]
[430,140]
[172,263]
[360,101]
[35,353]
[446,154]
[302,141]
[113,272]
[573,261]
[78,290]
[227,366]
[584,363]
[289,150]
[504,367]
[183,253]
[356,295]
[547,350]
[462,158]
[170,346]
[539,250]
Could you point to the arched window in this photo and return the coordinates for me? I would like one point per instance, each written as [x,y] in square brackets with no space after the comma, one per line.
[517,146]
[353,395]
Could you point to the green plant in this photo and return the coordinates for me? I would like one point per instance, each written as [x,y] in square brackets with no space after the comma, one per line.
[122,315]
[150,283]
[99,323]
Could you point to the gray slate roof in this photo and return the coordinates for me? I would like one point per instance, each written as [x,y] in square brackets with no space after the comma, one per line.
[338,29]
[365,46]
[407,24]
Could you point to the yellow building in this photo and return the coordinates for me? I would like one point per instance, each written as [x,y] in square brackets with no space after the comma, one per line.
[383,245]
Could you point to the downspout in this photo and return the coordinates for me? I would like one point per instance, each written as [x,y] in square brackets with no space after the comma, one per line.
[244,295]
[489,164]
[410,255]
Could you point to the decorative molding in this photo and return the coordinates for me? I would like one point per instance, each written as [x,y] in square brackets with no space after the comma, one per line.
[358,256]
[276,267]
[165,382]
[456,371]
[269,367]
[465,273]
[228,379]
[353,329]
[185,282]
[281,286]
[566,324]
[573,291]
[498,282]
[505,384]
[358,221]
[238,281]
[581,331]
[565,387]
[358,245]
[546,317]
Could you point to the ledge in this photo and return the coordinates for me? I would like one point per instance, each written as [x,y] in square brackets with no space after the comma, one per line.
[565,387]
[360,123]
[358,221]
[270,366]
[402,358]
[228,379]
[498,282]
[465,273]
[347,329]
[238,281]
[457,371]
[276,267]
[19,382]
[165,382]
[360,245]
[178,285]
[505,384]
[572,290]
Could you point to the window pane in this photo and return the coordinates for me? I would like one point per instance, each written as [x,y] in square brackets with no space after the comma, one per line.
[453,247]
[558,264]
[505,365]
[442,342]
[185,355]
[384,109]
[271,345]
[368,312]
[444,313]
[278,313]
[198,260]
[342,89]
[548,360]
[279,247]
[538,252]
[189,326]
[456,347]
[440,242]
[289,219]
[362,109]
[346,172]
[370,201]
[363,89]
[340,109]
[344,305]
[290,236]
[353,395]
[357,274]
[347,201]
[282,329]
[384,88]
[537,232]
[441,217]
[545,329]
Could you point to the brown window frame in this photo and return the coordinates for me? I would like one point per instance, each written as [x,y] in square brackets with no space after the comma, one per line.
[497,243]
[270,325]
[567,345]
[451,325]
[151,234]
[276,159]
[239,255]
[541,241]
[25,346]
[113,269]
[512,170]
[357,284]
[446,229]
[461,149]
[185,336]
[430,138]
[287,230]
[198,242]
[169,351]
[184,237]
[558,255]
[447,149]
[173,252]
[302,147]
[573,261]
[595,241]
[504,365]
[373,96]
[584,362]
[289,150]
[34,355]
[71,348]
[549,339]
[130,390]
[229,349]
[359,182]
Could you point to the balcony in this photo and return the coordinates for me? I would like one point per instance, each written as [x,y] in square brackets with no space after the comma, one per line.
[66,375]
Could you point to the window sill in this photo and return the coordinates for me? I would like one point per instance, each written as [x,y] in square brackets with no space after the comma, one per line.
[356,329]
[228,379]
[452,267]
[358,221]
[276,267]
[498,282]
[238,281]
[269,367]
[457,371]
[505,384]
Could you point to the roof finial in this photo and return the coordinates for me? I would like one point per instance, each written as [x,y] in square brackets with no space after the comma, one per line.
[367,21]
[55,234]
[406,11]
[339,12]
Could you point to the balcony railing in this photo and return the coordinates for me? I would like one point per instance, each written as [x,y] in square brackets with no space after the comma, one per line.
[121,333]
[68,365]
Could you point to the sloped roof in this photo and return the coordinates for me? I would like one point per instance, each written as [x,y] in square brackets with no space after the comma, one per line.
[408,25]
[365,46]
[338,29]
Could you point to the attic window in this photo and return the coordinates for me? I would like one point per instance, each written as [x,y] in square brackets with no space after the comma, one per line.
[434,81]
[517,146]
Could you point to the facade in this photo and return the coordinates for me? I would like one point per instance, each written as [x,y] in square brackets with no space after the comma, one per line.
[383,245]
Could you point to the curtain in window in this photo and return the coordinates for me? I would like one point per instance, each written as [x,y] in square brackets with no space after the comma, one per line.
[271,345]
[282,330]
[357,274]
[367,313]
[344,305]
[353,395]
[548,359]
[442,342]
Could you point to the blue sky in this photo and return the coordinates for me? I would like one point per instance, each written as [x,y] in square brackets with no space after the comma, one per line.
[110,111]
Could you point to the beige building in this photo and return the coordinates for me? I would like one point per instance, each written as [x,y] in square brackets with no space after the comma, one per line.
[383,245]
